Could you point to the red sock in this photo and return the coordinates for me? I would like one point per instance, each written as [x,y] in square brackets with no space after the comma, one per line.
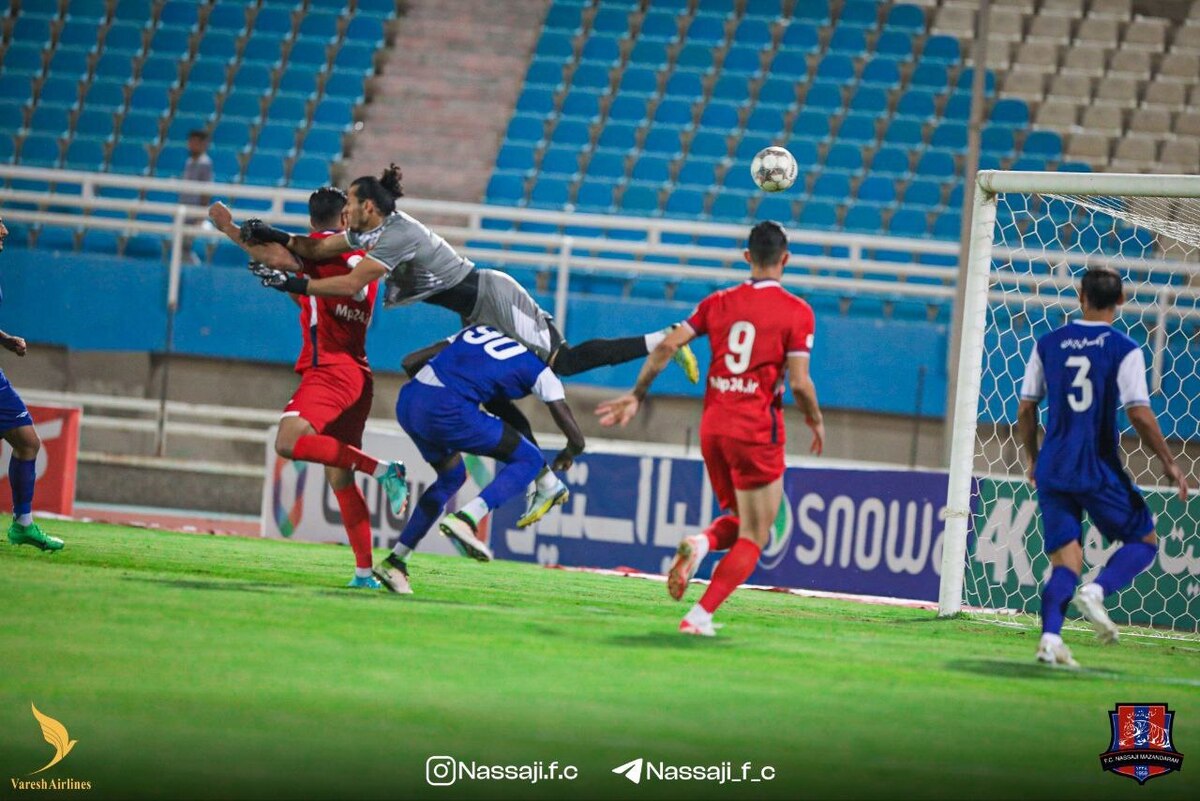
[722,533]
[326,450]
[357,521]
[735,568]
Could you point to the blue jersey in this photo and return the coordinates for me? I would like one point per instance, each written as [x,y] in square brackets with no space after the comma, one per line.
[481,364]
[1084,370]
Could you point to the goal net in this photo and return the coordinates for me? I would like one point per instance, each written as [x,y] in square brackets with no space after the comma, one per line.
[1033,236]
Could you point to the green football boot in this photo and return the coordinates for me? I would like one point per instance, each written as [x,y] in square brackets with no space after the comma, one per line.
[33,535]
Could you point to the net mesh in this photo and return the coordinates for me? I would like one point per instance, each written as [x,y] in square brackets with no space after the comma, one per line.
[1042,245]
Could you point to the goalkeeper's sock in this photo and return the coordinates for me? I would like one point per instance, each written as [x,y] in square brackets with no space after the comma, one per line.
[1124,565]
[22,475]
[326,450]
[722,533]
[734,569]
[1056,594]
[357,520]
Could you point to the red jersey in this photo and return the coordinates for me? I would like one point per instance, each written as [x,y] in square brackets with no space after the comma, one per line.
[334,329]
[752,329]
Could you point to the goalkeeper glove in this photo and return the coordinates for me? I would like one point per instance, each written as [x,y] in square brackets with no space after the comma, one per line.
[278,279]
[256,232]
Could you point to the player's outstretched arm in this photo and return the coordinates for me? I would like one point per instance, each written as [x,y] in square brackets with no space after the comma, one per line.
[565,420]
[257,232]
[1027,435]
[619,411]
[1146,424]
[805,391]
[367,271]
[271,254]
[13,343]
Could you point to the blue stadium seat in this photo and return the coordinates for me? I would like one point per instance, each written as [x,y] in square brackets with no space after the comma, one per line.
[273,20]
[800,38]
[144,246]
[695,57]
[649,54]
[133,10]
[610,21]
[217,44]
[750,144]
[719,117]
[877,190]
[685,85]
[812,125]
[50,120]
[56,238]
[561,162]
[628,108]
[869,100]
[844,158]
[831,186]
[506,188]
[113,66]
[309,52]
[858,129]
[744,61]
[310,171]
[923,194]
[864,219]
[1043,144]
[754,33]
[582,104]
[544,73]
[930,76]
[685,203]
[890,161]
[618,136]
[640,200]
[997,140]
[59,92]
[178,12]
[595,197]
[208,74]
[182,124]
[170,161]
[265,169]
[355,56]
[279,136]
[160,69]
[68,62]
[958,106]
[23,58]
[777,92]
[333,111]
[571,132]
[818,214]
[836,68]
[513,157]
[32,27]
[823,96]
[706,29]
[764,9]
[94,11]
[847,40]
[731,207]
[941,49]
[85,153]
[881,71]
[98,122]
[894,44]
[100,240]
[1010,111]
[948,226]
[1074,166]
[77,33]
[732,89]
[816,11]
[907,18]
[538,102]
[168,40]
[659,26]
[250,75]
[935,164]
[228,17]
[916,104]
[775,207]
[129,158]
[601,49]
[232,133]
[909,223]
[638,81]
[246,104]
[904,133]
[664,141]
[709,145]
[592,77]
[652,169]
[859,13]
[950,136]
[673,112]
[382,9]
[301,81]
[698,172]
[1028,164]
[148,95]
[324,25]
[39,150]
[607,166]
[966,80]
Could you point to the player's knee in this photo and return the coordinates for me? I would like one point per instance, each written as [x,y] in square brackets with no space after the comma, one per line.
[449,481]
[283,446]
[27,445]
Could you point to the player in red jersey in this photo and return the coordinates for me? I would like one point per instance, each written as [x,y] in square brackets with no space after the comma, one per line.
[760,335]
[324,420]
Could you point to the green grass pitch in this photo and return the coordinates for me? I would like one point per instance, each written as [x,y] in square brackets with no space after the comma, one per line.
[193,666]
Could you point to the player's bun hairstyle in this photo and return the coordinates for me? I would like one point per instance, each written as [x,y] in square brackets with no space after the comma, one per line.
[1102,288]
[325,207]
[767,244]
[383,191]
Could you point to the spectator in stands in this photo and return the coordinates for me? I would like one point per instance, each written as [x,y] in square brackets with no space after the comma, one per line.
[198,167]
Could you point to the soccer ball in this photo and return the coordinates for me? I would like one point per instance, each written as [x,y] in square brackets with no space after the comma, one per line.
[774,169]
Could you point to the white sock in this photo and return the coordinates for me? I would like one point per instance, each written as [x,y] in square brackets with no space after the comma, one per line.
[700,542]
[652,340]
[547,482]
[25,519]
[476,509]
[362,572]
[698,615]
[1092,589]
[381,469]
[402,551]
[1051,639]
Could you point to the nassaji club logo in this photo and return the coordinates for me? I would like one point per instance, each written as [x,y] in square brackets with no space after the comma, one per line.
[1141,745]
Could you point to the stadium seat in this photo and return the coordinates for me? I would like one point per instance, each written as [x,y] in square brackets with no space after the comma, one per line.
[581,104]
[818,214]
[144,246]
[894,44]
[59,91]
[512,157]
[731,207]
[998,140]
[823,96]
[595,197]
[322,141]
[100,240]
[769,121]
[310,171]
[97,123]
[745,61]
[140,126]
[930,76]
[310,53]
[948,226]
[652,169]
[85,154]
[571,132]
[594,77]
[232,133]
[610,21]
[639,200]
[56,238]
[890,161]
[695,57]
[909,223]
[686,204]
[811,125]
[32,27]
[355,56]
[709,145]
[637,82]
[560,17]
[847,40]
[182,124]
[618,136]
[545,73]
[941,49]
[1043,144]
[68,62]
[606,166]
[707,30]
[907,18]
[697,172]
[738,179]
[775,207]
[506,188]
[843,158]
[601,50]
[651,55]
[777,92]
[333,111]
[858,129]
[814,11]
[207,74]
[217,45]
[23,58]
[831,186]
[923,194]
[800,38]
[750,144]
[877,190]
[562,162]
[664,141]
[836,68]
[935,164]
[229,17]
[129,158]
[1010,111]
[950,136]
[171,41]
[881,71]
[264,169]
[170,161]
[869,100]
[966,79]
[719,116]
[864,219]
[538,102]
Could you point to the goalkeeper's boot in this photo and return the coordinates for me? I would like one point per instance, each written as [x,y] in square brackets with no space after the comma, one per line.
[686,359]
[460,530]
[542,502]
[33,535]
[688,555]
[365,583]
[1089,602]
[1053,651]
[392,572]
[395,485]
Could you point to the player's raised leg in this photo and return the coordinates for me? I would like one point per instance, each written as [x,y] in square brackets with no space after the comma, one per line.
[720,535]
[522,463]
[1123,567]
[22,473]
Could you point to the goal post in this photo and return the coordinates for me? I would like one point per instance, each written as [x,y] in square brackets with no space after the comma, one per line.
[1032,236]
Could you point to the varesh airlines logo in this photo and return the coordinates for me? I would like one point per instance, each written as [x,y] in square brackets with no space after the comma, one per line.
[631,770]
[55,734]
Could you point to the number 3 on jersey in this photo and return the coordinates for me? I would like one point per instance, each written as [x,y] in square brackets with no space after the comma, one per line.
[1083,401]
[741,343]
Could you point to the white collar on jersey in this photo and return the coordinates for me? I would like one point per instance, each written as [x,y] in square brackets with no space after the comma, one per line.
[763,283]
[1091,322]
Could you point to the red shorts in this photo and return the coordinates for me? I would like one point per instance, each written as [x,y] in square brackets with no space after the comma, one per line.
[335,399]
[735,464]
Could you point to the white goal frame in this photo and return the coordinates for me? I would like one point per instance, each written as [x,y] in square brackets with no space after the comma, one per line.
[988,185]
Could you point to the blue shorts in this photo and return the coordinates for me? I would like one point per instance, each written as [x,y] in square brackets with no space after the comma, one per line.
[442,423]
[1117,509]
[13,413]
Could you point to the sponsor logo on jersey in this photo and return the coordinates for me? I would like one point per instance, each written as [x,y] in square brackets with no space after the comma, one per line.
[738,384]
[353,315]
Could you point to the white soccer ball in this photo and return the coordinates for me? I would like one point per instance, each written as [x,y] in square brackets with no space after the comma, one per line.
[774,169]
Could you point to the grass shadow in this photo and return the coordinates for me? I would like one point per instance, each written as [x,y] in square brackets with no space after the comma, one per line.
[668,639]
[1003,668]
[196,584]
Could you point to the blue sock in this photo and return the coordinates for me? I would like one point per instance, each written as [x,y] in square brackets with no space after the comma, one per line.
[433,499]
[1124,565]
[1056,594]
[512,479]
[22,473]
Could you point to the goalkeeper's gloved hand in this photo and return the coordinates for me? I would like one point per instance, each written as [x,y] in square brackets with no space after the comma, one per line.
[278,279]
[256,232]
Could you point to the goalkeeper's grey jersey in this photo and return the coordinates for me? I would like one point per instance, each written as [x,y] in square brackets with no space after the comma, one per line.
[420,263]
